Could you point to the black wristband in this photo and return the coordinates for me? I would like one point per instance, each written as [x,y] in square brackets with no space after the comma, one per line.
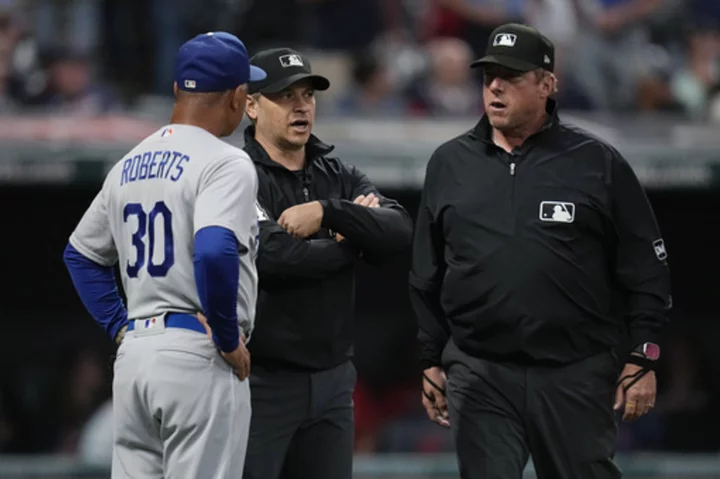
[642,362]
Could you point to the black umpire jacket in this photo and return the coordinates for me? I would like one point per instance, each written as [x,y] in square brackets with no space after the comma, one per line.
[305,309]
[549,254]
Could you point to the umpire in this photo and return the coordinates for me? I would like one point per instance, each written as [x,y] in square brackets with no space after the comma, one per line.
[318,218]
[535,252]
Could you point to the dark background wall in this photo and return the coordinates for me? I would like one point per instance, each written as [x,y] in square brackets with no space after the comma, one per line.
[44,330]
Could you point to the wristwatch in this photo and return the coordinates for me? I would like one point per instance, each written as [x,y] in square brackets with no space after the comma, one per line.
[649,351]
[645,355]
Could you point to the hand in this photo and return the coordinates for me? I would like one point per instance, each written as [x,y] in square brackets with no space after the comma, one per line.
[239,359]
[121,335]
[434,400]
[302,220]
[640,397]
[369,201]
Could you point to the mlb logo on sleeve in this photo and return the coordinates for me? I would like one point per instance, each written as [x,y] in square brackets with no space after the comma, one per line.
[557,211]
[260,212]
[660,251]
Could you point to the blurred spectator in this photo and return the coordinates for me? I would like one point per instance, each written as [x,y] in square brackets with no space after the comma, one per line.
[73,23]
[448,87]
[173,21]
[371,92]
[73,90]
[350,25]
[472,20]
[95,445]
[22,79]
[557,19]
[612,55]
[83,389]
[714,105]
[693,83]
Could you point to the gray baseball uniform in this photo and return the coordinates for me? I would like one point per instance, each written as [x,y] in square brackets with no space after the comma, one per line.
[179,410]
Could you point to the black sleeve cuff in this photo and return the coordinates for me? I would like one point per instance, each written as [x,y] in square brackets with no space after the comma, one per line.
[329,209]
[640,336]
[430,355]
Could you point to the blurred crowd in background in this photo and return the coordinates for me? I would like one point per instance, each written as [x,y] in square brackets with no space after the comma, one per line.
[385,57]
[398,58]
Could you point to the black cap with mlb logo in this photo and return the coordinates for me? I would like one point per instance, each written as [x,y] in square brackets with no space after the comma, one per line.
[284,66]
[518,47]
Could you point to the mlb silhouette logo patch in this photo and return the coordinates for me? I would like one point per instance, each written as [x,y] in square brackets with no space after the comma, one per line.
[660,251]
[190,84]
[557,211]
[260,212]
[504,40]
[291,61]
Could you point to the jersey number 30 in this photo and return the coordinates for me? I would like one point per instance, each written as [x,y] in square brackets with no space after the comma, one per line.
[146,225]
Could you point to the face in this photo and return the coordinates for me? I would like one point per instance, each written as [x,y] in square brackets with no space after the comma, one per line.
[285,118]
[70,77]
[513,99]
[235,109]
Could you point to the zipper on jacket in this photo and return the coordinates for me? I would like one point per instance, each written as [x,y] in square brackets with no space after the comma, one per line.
[306,192]
[512,190]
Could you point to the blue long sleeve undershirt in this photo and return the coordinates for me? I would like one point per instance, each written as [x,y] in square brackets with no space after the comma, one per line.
[97,289]
[217,273]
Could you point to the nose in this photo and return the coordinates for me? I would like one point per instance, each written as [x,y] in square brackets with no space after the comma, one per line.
[495,84]
[302,104]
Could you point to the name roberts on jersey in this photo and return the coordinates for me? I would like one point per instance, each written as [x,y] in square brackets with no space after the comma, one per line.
[158,164]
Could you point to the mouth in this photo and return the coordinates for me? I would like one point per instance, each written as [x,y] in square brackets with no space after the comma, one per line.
[300,125]
[497,106]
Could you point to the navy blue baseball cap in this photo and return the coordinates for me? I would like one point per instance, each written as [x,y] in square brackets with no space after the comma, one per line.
[214,61]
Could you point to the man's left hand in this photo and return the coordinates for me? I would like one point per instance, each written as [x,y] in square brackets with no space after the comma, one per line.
[302,220]
[369,201]
[639,399]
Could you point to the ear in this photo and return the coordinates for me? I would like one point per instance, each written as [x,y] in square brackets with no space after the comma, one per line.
[175,88]
[251,107]
[547,85]
[238,98]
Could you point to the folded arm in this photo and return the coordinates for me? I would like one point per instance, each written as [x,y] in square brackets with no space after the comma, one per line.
[385,229]
[282,257]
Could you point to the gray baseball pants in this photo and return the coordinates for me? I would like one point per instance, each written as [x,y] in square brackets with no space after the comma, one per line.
[179,410]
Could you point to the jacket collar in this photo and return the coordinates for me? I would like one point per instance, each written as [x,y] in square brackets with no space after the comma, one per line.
[483,130]
[313,150]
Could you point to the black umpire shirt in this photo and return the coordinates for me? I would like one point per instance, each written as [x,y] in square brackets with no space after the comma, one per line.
[547,254]
[306,302]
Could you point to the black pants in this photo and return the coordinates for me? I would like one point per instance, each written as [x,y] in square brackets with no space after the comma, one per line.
[302,424]
[502,413]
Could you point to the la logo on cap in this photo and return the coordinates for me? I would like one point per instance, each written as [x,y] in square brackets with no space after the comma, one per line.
[291,61]
[504,40]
